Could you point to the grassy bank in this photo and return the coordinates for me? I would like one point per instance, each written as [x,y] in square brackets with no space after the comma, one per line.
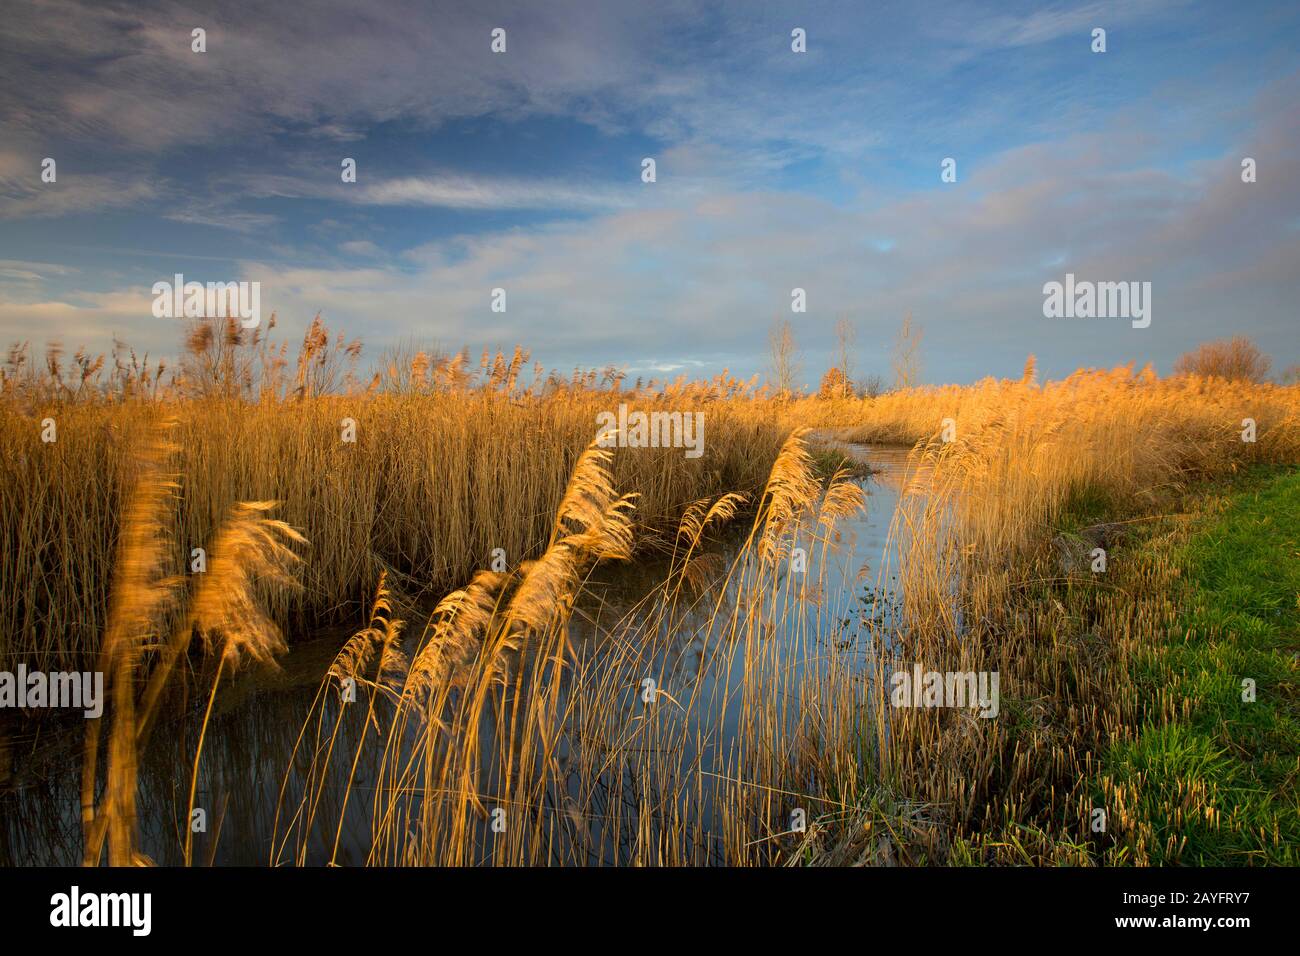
[1145,752]
[997,575]
[1212,773]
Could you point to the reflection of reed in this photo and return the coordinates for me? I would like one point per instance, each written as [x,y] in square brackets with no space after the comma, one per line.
[893,466]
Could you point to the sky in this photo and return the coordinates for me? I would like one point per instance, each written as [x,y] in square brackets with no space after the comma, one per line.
[775,170]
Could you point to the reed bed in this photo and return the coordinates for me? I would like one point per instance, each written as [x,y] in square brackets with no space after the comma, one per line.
[989,583]
[738,714]
[664,743]
[435,481]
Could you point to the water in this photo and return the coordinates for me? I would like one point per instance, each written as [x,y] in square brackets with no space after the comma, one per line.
[258,718]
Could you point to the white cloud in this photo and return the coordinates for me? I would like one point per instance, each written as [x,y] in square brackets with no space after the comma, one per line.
[468,192]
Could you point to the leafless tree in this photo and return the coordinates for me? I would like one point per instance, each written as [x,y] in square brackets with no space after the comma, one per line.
[845,337]
[907,354]
[784,356]
[1236,359]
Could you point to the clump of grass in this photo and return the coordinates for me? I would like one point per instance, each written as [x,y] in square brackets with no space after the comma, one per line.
[828,460]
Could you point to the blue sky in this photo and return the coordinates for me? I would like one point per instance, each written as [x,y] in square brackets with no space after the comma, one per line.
[775,170]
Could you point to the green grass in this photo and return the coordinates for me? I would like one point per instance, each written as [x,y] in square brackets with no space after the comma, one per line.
[1089,506]
[827,460]
[1240,620]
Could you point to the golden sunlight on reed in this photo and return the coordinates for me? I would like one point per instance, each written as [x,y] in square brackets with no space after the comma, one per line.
[688,728]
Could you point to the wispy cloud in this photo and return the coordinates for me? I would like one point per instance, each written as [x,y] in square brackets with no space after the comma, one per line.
[1062,20]
[465,192]
[234,220]
[23,195]
[25,271]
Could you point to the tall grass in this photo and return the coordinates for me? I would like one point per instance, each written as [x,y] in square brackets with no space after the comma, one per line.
[504,742]
[690,729]
[439,476]
[985,586]
[140,653]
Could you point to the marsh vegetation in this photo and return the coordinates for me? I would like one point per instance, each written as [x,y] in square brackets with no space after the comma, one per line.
[492,698]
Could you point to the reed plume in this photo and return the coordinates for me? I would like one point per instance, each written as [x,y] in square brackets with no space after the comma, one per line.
[246,550]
